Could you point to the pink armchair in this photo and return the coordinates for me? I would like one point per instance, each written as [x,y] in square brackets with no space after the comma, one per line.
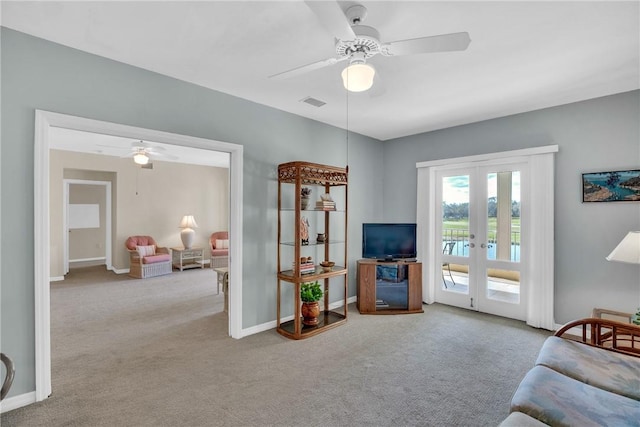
[146,259]
[219,245]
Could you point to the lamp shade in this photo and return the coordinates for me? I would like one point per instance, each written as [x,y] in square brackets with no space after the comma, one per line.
[188,221]
[141,158]
[358,77]
[628,250]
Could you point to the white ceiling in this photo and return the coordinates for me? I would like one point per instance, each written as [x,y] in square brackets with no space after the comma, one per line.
[523,55]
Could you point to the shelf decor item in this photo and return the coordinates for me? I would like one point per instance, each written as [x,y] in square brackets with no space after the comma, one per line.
[305,196]
[327,266]
[310,294]
[304,231]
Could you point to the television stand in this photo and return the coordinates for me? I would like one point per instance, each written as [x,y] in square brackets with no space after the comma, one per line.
[389,287]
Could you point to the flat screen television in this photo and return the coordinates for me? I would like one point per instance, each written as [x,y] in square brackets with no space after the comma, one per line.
[388,242]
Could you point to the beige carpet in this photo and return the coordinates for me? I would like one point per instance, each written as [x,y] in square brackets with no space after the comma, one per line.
[155,352]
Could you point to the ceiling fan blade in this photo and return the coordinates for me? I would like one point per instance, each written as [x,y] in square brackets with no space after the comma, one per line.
[332,18]
[441,43]
[164,155]
[140,145]
[306,68]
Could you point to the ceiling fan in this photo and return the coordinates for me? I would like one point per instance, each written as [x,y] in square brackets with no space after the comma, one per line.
[142,153]
[357,43]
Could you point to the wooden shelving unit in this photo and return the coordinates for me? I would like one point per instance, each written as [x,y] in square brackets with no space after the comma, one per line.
[292,177]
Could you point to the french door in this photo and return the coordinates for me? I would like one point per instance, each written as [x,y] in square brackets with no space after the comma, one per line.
[481,237]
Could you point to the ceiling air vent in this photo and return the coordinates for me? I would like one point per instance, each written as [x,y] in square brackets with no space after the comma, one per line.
[312,101]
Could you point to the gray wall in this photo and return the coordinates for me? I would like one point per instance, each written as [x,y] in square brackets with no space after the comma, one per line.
[37,74]
[597,135]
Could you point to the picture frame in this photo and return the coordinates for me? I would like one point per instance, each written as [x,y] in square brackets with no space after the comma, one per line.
[611,186]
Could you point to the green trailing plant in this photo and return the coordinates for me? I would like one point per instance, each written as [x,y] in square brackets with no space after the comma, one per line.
[636,317]
[305,192]
[310,291]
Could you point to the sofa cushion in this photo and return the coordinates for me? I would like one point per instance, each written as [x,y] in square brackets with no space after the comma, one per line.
[152,259]
[220,252]
[222,244]
[608,370]
[557,399]
[518,419]
[148,250]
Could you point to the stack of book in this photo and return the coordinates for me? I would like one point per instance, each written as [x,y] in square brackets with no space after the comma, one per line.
[326,205]
[307,268]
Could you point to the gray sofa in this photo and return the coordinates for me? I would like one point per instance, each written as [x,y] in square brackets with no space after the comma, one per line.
[593,380]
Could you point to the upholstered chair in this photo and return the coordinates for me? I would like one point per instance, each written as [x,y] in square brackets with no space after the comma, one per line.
[146,259]
[219,245]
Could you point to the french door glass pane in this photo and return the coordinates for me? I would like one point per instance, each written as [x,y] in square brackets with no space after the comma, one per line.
[455,233]
[503,235]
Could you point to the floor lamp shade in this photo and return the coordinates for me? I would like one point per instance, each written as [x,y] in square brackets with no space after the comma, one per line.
[187,234]
[628,250]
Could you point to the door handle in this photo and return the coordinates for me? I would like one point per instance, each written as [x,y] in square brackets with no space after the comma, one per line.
[472,236]
[483,246]
[472,245]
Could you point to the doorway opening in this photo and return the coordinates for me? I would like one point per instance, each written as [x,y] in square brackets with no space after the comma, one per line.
[45,123]
[86,238]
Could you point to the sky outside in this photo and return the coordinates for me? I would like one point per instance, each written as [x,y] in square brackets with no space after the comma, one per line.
[455,189]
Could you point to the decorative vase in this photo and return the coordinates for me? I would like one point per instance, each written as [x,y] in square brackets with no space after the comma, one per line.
[310,312]
[304,203]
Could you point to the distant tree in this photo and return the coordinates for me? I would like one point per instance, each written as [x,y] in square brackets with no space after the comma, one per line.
[492,207]
[515,209]
[455,210]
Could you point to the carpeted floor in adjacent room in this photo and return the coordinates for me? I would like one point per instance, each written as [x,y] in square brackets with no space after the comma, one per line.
[155,352]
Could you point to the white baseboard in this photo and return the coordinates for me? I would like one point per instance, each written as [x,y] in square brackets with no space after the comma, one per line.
[56,279]
[271,325]
[71,261]
[15,402]
[120,270]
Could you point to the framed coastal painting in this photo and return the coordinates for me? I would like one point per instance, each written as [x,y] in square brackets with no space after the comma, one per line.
[613,186]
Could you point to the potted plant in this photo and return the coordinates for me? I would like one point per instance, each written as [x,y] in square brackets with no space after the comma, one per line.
[310,294]
[305,194]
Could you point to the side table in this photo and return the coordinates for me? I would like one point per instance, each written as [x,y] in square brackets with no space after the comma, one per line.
[223,280]
[187,258]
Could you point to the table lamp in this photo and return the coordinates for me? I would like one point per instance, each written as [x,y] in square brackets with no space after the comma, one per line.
[628,250]
[187,234]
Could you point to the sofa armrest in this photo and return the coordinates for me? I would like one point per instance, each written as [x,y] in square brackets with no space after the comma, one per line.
[134,257]
[608,334]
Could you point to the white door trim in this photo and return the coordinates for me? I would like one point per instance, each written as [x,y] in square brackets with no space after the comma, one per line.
[65,223]
[44,120]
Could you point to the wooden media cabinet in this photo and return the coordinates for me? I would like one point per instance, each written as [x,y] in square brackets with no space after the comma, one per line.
[389,287]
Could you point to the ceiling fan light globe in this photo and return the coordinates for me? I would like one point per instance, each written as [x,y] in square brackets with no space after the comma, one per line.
[358,77]
[141,159]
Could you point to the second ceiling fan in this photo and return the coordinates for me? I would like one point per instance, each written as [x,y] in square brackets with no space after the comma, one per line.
[357,43]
